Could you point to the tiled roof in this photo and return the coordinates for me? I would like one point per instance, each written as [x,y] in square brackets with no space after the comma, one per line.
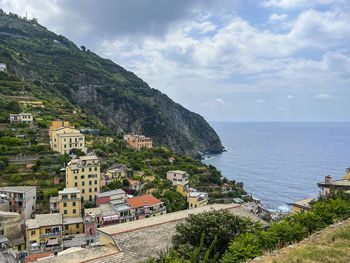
[131,181]
[144,200]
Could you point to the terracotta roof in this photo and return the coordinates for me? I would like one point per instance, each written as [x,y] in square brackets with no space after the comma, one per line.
[35,257]
[131,181]
[144,200]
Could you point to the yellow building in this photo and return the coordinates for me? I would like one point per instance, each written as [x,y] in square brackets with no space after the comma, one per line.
[197,199]
[65,139]
[347,176]
[69,202]
[302,205]
[116,174]
[73,225]
[84,174]
[44,233]
[57,124]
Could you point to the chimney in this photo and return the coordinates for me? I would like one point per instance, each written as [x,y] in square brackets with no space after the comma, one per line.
[328,179]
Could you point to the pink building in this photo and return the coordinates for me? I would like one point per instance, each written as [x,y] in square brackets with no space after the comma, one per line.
[54,205]
[21,118]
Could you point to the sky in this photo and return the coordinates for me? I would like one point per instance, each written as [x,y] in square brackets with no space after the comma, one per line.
[228,60]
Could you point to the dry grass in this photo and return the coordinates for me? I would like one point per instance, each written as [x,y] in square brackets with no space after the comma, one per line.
[328,246]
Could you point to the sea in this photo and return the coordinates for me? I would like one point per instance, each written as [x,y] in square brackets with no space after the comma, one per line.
[281,162]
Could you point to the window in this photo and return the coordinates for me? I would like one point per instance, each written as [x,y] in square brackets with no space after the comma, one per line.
[82,177]
[65,212]
[90,169]
[75,184]
[95,189]
[82,183]
[32,232]
[65,146]
[90,190]
[95,168]
[65,204]
[74,203]
[90,182]
[33,207]
[83,191]
[90,198]
[95,181]
[82,169]
[77,225]
[74,211]
[66,227]
[75,177]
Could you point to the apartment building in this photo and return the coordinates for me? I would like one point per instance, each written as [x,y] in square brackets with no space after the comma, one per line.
[197,199]
[65,139]
[10,227]
[138,141]
[22,199]
[57,124]
[22,118]
[180,180]
[84,174]
[145,206]
[44,233]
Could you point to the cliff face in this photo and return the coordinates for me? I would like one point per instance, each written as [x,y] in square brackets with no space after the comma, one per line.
[103,89]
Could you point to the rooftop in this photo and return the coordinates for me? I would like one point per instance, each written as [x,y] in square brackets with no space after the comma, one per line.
[131,181]
[109,193]
[3,213]
[69,134]
[337,183]
[305,203]
[17,189]
[196,194]
[54,199]
[177,171]
[69,191]
[88,157]
[72,220]
[42,220]
[176,216]
[144,200]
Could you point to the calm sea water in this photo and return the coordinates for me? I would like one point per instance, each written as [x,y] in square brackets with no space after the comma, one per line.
[282,162]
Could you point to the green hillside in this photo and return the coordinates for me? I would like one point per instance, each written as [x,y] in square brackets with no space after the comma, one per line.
[54,67]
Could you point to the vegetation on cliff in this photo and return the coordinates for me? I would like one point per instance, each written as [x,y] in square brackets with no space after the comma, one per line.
[54,67]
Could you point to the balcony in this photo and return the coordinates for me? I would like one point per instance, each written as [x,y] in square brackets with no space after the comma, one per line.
[18,199]
[53,234]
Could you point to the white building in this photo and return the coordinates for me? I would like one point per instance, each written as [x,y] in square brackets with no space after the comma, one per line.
[3,67]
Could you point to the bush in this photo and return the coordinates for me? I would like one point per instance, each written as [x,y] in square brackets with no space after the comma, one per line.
[16,178]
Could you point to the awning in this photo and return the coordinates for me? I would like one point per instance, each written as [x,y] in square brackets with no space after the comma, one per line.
[115,217]
[52,242]
[107,218]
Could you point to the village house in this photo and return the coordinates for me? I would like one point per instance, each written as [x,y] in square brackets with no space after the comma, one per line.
[135,185]
[22,118]
[116,174]
[22,199]
[145,206]
[10,227]
[44,233]
[65,139]
[106,197]
[3,67]
[329,185]
[138,141]
[180,180]
[84,174]
[302,205]
[197,199]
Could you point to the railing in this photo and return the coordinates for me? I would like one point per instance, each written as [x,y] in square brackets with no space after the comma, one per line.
[18,199]
[51,234]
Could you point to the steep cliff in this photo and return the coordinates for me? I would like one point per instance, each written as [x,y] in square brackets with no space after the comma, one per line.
[103,89]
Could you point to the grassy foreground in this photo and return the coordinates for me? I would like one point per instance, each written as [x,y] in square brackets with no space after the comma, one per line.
[329,245]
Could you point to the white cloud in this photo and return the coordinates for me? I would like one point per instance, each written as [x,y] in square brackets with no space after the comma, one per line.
[293,4]
[220,101]
[290,97]
[277,18]
[323,96]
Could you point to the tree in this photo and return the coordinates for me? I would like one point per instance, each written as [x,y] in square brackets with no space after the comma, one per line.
[126,182]
[221,224]
[83,48]
[4,162]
